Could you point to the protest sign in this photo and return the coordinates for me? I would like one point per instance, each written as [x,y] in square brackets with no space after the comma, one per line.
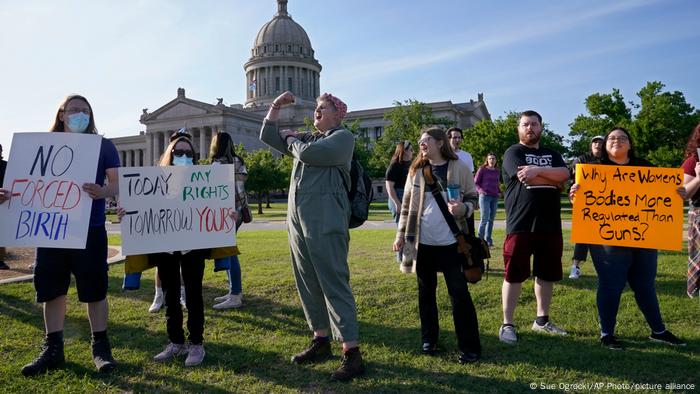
[176,208]
[44,178]
[628,206]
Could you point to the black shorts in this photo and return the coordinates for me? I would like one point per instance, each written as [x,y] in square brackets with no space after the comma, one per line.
[89,266]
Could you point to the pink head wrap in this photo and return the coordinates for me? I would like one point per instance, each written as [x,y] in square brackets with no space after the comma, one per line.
[340,107]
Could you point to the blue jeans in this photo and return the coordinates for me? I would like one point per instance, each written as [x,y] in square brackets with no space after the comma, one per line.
[488,206]
[234,274]
[396,213]
[616,266]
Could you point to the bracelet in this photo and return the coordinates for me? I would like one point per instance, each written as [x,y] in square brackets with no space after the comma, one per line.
[275,105]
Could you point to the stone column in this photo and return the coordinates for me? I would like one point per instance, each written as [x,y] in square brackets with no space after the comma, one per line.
[128,158]
[156,148]
[202,142]
[148,155]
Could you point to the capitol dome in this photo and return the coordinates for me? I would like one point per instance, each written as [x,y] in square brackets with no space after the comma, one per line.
[283,32]
[281,59]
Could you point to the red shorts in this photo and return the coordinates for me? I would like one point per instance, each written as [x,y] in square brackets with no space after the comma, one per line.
[547,251]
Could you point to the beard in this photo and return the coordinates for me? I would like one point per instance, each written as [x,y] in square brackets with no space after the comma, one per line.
[530,139]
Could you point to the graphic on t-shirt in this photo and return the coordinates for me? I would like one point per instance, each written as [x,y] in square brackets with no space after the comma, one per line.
[538,160]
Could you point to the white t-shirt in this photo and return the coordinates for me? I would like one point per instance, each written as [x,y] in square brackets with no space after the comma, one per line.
[434,230]
[467,158]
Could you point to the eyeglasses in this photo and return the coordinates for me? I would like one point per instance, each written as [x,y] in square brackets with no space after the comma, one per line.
[183,152]
[425,140]
[72,111]
[622,138]
[456,137]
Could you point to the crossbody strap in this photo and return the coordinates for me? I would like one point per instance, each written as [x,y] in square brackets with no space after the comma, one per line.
[430,181]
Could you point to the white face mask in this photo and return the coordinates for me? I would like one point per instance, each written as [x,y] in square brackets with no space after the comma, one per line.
[78,123]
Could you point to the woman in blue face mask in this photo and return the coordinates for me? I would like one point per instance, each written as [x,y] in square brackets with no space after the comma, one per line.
[54,266]
[180,152]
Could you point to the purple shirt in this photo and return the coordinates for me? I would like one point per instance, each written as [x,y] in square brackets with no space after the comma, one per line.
[487,180]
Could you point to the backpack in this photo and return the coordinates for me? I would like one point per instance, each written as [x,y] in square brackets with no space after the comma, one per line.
[360,193]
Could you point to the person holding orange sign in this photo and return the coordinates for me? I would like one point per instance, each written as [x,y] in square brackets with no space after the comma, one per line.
[617,265]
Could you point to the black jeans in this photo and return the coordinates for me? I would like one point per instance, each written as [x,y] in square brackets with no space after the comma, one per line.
[429,261]
[192,264]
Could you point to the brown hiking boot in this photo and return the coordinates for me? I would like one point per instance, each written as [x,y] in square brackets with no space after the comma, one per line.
[317,351]
[351,366]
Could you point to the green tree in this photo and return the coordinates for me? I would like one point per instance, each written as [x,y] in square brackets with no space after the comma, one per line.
[405,121]
[265,174]
[498,135]
[660,128]
[605,112]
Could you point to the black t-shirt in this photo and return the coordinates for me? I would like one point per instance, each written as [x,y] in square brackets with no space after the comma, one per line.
[531,208]
[397,173]
[440,174]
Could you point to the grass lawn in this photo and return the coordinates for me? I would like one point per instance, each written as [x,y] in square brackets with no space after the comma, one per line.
[248,349]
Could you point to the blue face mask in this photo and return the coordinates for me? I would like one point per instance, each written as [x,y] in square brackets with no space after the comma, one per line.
[78,123]
[182,161]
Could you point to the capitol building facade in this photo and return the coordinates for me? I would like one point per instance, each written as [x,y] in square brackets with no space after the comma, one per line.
[282,58]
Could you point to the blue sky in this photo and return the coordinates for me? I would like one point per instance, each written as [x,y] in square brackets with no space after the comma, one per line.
[542,55]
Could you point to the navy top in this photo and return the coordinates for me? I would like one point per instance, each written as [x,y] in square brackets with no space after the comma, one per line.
[109,158]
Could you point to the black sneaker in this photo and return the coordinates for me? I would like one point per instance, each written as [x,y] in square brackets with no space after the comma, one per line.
[468,358]
[102,355]
[609,341]
[317,351]
[666,337]
[4,266]
[51,357]
[429,348]
[350,367]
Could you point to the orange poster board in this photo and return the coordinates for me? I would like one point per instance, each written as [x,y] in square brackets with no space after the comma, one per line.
[628,206]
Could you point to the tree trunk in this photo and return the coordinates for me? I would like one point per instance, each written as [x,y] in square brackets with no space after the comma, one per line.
[267,198]
[259,198]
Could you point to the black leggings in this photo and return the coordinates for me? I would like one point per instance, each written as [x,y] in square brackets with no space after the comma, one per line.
[192,264]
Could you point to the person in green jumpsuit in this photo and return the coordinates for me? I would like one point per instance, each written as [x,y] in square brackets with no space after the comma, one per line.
[317,221]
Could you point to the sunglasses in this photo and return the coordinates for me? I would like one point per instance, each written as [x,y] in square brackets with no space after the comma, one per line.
[183,152]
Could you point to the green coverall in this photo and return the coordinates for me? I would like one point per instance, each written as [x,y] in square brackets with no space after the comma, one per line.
[317,222]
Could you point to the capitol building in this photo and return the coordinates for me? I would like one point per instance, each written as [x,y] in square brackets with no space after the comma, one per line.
[281,58]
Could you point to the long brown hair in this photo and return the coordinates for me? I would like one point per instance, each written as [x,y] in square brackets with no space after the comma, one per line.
[445,150]
[400,151]
[58,123]
[693,142]
[486,161]
[167,158]
[222,147]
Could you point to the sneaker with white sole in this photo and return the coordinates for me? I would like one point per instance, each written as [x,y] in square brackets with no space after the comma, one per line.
[171,351]
[233,301]
[157,303]
[507,334]
[668,338]
[575,272]
[548,328]
[222,298]
[195,355]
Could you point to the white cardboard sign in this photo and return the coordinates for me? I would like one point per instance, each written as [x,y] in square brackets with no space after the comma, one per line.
[44,178]
[176,208]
